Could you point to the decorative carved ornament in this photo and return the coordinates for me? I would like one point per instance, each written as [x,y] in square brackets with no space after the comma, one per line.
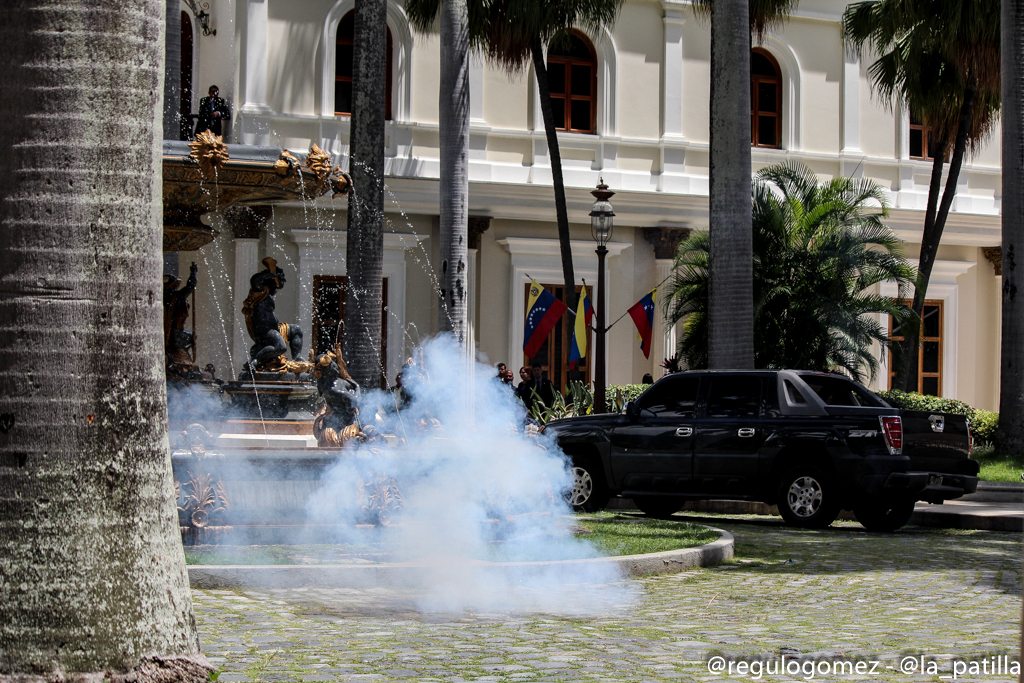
[995,257]
[210,152]
[478,225]
[665,240]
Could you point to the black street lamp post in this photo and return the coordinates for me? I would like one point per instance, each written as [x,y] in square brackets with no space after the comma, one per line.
[601,227]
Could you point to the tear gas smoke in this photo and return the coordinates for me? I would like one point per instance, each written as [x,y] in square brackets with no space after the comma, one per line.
[481,502]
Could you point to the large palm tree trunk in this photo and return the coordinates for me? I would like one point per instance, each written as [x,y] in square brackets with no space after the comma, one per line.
[454,133]
[365,248]
[934,224]
[731,299]
[1010,437]
[92,576]
[561,213]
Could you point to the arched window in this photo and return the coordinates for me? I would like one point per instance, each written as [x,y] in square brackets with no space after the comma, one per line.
[765,100]
[343,65]
[572,79]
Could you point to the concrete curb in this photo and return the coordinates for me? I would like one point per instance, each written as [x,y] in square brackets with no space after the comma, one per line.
[358,575]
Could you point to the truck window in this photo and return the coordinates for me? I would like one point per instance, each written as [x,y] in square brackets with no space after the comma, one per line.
[674,396]
[735,397]
[836,391]
[794,394]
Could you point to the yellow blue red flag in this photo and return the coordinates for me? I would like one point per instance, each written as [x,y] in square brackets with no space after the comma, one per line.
[578,346]
[543,311]
[642,313]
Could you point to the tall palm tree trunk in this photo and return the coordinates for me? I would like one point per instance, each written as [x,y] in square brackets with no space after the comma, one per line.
[934,224]
[365,248]
[561,213]
[92,579]
[731,302]
[1010,437]
[454,133]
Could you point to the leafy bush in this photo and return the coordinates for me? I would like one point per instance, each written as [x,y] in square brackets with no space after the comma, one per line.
[983,423]
[579,400]
[618,395]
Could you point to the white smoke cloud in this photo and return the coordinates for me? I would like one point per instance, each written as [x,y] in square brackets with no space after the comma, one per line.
[482,507]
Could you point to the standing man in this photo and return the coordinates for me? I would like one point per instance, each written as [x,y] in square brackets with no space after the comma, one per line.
[545,390]
[213,113]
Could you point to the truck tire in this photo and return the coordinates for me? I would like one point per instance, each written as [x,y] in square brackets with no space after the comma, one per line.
[657,506]
[808,498]
[884,516]
[588,492]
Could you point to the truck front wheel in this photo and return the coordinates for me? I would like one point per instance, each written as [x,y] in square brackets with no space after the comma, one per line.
[808,498]
[884,516]
[588,492]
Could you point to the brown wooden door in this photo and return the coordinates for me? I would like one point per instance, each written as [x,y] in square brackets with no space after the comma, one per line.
[329,317]
[554,354]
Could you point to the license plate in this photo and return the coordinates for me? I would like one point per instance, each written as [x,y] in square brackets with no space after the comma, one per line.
[934,480]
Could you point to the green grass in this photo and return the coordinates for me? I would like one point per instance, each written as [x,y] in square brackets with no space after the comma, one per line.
[996,467]
[612,534]
[618,534]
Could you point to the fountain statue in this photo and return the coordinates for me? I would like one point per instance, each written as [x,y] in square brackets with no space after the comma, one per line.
[273,339]
[178,342]
[337,421]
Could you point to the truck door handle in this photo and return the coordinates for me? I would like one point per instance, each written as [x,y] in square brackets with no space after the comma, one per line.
[746,431]
[684,431]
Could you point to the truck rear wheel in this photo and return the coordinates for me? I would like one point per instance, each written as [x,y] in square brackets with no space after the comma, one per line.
[657,506]
[808,498]
[588,492]
[884,516]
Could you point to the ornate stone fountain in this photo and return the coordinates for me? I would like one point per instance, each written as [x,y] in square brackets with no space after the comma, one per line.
[243,451]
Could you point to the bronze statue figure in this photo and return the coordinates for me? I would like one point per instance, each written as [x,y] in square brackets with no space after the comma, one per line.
[273,338]
[178,342]
[337,421]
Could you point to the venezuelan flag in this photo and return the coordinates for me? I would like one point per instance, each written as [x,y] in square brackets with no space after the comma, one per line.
[642,313]
[543,311]
[578,346]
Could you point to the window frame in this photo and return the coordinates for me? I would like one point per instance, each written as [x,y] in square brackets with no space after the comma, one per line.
[940,304]
[926,140]
[567,96]
[755,113]
[338,78]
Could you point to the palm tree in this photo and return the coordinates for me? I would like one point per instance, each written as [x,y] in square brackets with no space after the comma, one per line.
[1010,436]
[817,252]
[731,309]
[364,256]
[940,61]
[453,110]
[93,574]
[513,34]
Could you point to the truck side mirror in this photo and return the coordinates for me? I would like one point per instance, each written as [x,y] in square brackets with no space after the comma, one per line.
[632,409]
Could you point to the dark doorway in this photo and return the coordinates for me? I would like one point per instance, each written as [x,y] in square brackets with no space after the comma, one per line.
[187,44]
[329,317]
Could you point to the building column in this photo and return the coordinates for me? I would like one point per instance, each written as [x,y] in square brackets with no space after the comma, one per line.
[672,73]
[665,242]
[246,224]
[253,115]
[478,225]
[851,104]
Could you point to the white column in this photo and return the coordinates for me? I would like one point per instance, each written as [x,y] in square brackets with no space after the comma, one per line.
[471,269]
[246,264]
[664,335]
[851,103]
[672,73]
[252,115]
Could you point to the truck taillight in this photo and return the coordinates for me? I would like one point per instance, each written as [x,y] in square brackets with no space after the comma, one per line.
[892,430]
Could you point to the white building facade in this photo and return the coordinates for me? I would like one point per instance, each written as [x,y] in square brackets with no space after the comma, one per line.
[636,101]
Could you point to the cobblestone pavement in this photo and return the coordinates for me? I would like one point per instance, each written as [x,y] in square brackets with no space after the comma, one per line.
[814,596]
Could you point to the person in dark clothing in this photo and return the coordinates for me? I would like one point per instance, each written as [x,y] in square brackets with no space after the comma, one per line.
[648,379]
[213,113]
[543,388]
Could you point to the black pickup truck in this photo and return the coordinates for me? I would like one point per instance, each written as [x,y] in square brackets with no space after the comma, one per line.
[812,443]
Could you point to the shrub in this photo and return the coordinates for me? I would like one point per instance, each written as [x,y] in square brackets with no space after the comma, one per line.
[618,395]
[983,423]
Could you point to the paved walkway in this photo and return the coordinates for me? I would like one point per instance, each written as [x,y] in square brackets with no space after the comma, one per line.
[820,598]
